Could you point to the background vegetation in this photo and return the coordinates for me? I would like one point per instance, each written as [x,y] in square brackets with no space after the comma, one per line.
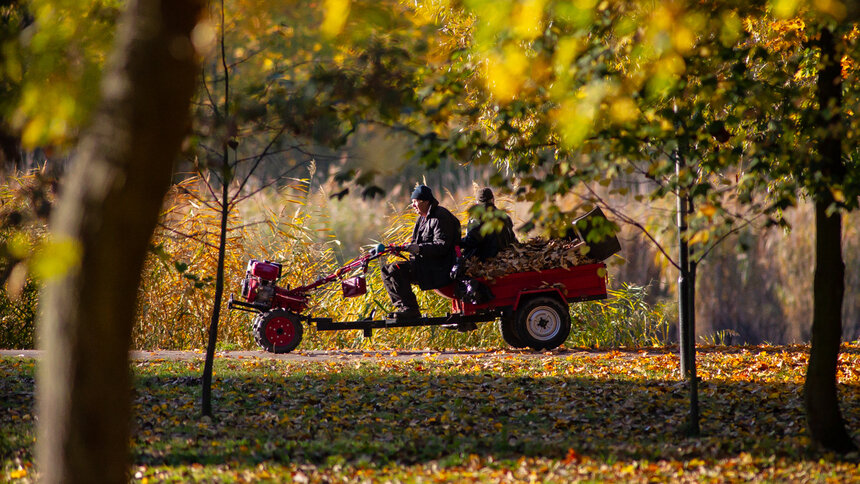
[754,289]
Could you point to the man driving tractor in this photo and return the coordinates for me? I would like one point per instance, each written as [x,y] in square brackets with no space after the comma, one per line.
[435,235]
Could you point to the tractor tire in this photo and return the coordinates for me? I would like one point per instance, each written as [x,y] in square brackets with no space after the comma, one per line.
[509,334]
[278,331]
[542,323]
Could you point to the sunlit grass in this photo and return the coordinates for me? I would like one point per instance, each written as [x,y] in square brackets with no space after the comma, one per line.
[474,417]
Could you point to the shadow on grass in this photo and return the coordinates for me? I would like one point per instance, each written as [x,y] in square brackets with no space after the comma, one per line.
[373,415]
[373,418]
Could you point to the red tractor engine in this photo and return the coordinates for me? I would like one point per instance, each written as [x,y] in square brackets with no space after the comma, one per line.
[278,324]
[260,289]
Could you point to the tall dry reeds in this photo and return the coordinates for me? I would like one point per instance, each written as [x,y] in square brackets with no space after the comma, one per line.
[756,285]
[176,291]
[300,230]
[25,203]
[765,293]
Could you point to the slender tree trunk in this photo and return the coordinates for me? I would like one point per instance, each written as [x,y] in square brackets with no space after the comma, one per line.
[683,274]
[108,210]
[226,176]
[206,398]
[694,430]
[820,393]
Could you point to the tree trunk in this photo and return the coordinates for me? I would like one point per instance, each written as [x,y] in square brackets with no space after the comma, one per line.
[226,176]
[206,394]
[823,416]
[108,209]
[821,399]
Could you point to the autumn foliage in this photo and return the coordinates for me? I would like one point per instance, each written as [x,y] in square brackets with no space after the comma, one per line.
[473,417]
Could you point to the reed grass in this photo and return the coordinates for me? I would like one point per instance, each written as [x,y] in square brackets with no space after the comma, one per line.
[759,293]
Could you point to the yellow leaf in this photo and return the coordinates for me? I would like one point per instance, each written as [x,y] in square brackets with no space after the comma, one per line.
[505,73]
[785,8]
[18,245]
[708,210]
[623,110]
[55,258]
[700,237]
[527,18]
[838,195]
[336,13]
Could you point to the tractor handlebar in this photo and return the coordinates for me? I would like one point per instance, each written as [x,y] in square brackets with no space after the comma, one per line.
[382,249]
[361,261]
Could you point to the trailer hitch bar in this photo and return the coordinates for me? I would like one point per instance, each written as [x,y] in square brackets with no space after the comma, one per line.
[243,306]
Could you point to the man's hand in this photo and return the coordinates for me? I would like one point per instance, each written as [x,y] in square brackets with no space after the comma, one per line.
[412,249]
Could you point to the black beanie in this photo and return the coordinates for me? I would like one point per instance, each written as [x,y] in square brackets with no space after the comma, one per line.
[423,192]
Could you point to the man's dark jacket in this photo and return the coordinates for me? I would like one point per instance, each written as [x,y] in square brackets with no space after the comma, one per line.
[483,247]
[436,235]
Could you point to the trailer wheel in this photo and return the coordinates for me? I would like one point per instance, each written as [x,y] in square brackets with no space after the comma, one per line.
[278,331]
[509,334]
[543,323]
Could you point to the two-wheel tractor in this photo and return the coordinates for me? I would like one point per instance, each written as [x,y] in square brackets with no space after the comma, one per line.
[278,331]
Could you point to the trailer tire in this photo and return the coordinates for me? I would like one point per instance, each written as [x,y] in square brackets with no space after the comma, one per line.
[542,323]
[509,334]
[278,331]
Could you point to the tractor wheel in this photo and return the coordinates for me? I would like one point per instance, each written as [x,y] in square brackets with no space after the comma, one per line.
[278,331]
[509,334]
[543,323]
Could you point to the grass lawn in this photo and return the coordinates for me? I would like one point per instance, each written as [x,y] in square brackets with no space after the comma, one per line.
[486,417]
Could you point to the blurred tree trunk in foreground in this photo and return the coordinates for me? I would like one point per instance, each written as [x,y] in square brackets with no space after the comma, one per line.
[107,211]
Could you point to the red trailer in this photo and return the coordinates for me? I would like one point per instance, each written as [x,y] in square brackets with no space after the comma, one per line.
[531,307]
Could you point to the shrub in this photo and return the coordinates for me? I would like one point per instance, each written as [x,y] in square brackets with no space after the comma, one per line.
[624,319]
[177,284]
[25,202]
[18,318]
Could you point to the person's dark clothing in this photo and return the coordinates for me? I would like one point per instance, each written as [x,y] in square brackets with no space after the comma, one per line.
[397,279]
[486,246]
[436,235]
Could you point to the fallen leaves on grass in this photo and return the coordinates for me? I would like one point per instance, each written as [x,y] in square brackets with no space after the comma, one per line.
[488,417]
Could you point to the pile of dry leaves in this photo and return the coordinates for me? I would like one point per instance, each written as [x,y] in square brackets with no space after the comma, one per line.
[533,255]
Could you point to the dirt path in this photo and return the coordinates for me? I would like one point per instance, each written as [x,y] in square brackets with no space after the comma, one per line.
[347,355]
